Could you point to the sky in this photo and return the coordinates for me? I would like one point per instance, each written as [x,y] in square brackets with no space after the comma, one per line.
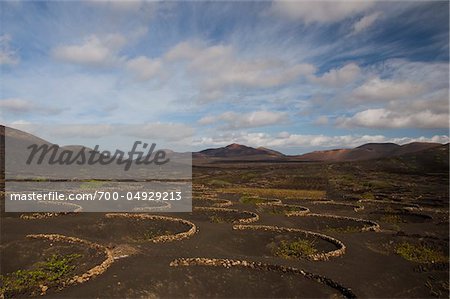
[294,76]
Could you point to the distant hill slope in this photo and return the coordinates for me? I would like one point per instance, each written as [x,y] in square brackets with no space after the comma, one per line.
[368,151]
[235,152]
[429,160]
[238,151]
[22,136]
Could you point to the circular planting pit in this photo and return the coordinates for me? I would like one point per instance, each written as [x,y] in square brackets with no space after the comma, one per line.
[154,206]
[286,243]
[223,215]
[332,223]
[323,206]
[208,278]
[46,263]
[400,216]
[256,200]
[279,208]
[117,228]
[60,208]
[418,249]
[233,197]
[388,204]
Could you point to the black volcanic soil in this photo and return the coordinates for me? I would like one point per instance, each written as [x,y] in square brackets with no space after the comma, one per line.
[197,282]
[367,267]
[202,202]
[400,216]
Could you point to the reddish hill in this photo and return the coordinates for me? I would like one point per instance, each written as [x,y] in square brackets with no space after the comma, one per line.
[237,150]
[368,151]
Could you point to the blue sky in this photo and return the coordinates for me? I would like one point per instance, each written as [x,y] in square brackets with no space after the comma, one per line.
[293,76]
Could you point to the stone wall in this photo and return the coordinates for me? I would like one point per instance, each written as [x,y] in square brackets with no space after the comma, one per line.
[95,271]
[372,225]
[302,210]
[164,238]
[253,217]
[228,263]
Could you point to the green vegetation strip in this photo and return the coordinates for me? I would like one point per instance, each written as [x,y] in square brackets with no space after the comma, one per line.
[420,253]
[278,193]
[373,201]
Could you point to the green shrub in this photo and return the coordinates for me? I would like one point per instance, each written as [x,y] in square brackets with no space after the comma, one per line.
[251,200]
[219,183]
[300,248]
[54,270]
[420,253]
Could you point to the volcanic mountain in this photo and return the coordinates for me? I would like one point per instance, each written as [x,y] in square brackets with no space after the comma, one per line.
[368,151]
[239,151]
[235,152]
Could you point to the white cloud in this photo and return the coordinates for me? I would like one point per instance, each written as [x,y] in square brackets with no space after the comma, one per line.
[365,22]
[378,90]
[339,77]
[385,118]
[8,56]
[22,106]
[301,142]
[16,105]
[233,120]
[218,67]
[93,51]
[83,131]
[156,131]
[319,11]
[145,68]
[175,132]
[415,95]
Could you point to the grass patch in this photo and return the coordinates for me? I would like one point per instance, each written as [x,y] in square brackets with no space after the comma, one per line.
[91,184]
[278,193]
[251,200]
[219,183]
[379,184]
[217,219]
[393,219]
[300,248]
[420,253]
[367,195]
[150,234]
[346,229]
[55,270]
[278,209]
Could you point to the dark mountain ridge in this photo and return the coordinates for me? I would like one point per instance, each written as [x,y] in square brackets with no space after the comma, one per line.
[236,151]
